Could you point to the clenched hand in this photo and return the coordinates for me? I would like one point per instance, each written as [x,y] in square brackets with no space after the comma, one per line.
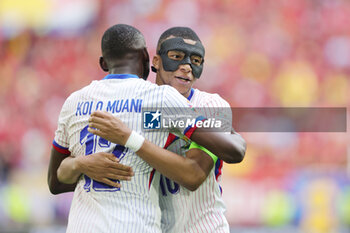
[107,126]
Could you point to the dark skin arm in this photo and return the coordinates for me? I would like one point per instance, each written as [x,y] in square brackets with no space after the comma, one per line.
[64,170]
[188,171]
[55,186]
[197,162]
[99,166]
[230,148]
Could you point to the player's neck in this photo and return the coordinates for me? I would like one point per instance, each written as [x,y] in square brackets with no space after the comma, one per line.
[123,70]
[187,94]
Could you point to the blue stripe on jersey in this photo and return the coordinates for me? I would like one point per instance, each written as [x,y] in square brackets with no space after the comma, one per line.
[59,146]
[218,167]
[191,94]
[120,76]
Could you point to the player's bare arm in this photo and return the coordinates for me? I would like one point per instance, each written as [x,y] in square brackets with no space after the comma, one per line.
[189,171]
[229,147]
[55,186]
[232,146]
[100,166]
[65,170]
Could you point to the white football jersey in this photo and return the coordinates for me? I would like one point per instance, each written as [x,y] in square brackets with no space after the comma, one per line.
[201,210]
[97,207]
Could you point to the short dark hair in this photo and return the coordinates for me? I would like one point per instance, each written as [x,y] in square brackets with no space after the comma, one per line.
[120,39]
[182,32]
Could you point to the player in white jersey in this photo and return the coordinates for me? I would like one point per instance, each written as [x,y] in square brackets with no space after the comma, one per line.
[97,207]
[94,202]
[183,210]
[200,210]
[203,209]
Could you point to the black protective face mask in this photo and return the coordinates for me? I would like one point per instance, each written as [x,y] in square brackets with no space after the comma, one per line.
[180,45]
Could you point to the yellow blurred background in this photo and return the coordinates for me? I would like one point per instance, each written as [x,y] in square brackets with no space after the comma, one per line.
[259,53]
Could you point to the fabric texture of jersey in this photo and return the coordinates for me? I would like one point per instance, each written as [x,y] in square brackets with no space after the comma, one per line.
[97,207]
[203,209]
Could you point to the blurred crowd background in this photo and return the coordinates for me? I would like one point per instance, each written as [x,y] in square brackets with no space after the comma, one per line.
[259,53]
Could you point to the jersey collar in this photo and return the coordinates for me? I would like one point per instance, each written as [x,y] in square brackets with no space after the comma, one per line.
[191,94]
[120,76]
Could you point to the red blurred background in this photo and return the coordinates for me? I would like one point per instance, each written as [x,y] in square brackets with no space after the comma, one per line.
[259,53]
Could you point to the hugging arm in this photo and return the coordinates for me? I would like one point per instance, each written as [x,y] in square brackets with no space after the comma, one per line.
[64,170]
[230,148]
[189,171]
[100,166]
[55,186]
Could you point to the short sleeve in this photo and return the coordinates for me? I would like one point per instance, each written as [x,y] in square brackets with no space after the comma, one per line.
[61,142]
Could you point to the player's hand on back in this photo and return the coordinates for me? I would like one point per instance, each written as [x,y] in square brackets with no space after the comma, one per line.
[103,167]
[107,126]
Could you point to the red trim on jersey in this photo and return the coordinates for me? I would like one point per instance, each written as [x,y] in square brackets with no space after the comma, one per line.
[171,138]
[151,178]
[60,149]
[190,131]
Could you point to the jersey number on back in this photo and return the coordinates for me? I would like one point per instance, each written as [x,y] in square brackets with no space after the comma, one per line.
[92,142]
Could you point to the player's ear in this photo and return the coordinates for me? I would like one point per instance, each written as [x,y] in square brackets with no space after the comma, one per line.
[155,63]
[103,64]
[145,63]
